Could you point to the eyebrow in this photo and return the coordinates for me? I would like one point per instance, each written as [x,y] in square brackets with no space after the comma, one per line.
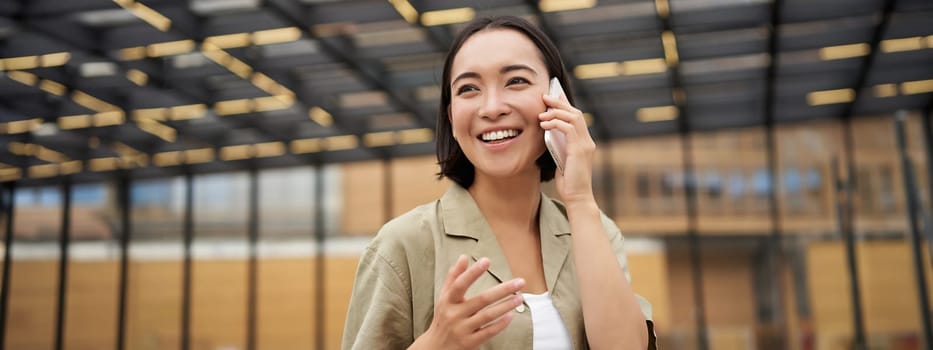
[503,70]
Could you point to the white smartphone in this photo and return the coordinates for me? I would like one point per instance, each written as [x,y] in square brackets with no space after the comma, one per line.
[555,140]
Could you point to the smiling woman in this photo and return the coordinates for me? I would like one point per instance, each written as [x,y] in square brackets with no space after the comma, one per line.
[545,273]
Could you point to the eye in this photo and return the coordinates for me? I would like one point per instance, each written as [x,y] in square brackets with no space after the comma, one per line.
[466,88]
[517,80]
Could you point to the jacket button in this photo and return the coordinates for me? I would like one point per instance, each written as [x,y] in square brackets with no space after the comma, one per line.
[520,308]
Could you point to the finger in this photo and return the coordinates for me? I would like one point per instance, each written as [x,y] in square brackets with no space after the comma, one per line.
[493,312]
[463,282]
[567,116]
[565,127]
[494,295]
[454,271]
[483,334]
[559,103]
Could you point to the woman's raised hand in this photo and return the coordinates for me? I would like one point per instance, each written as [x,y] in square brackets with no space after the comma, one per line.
[576,183]
[466,323]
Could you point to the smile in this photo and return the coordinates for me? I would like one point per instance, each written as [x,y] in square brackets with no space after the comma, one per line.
[499,135]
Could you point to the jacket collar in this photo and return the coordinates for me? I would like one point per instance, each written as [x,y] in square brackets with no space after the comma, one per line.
[462,218]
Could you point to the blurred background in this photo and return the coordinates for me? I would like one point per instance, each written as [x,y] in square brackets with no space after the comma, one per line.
[204,174]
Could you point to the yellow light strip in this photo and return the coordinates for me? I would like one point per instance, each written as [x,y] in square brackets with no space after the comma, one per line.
[269,149]
[155,128]
[276,36]
[21,149]
[657,114]
[104,164]
[306,146]
[564,5]
[449,16]
[663,8]
[91,102]
[20,126]
[52,87]
[132,53]
[71,167]
[24,78]
[410,136]
[823,97]
[646,66]
[10,174]
[917,87]
[109,118]
[230,107]
[49,155]
[21,63]
[596,70]
[137,160]
[165,159]
[272,103]
[74,122]
[169,48]
[236,152]
[151,113]
[229,41]
[844,51]
[670,48]
[902,44]
[186,112]
[124,150]
[143,12]
[885,90]
[343,142]
[321,116]
[54,59]
[379,139]
[137,76]
[404,8]
[200,155]
[43,170]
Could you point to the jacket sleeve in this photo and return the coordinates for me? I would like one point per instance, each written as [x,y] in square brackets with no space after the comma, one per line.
[380,312]
[617,242]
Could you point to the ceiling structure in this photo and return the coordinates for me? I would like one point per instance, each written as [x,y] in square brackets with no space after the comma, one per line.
[158,87]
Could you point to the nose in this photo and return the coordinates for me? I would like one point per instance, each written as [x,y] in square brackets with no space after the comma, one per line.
[494,105]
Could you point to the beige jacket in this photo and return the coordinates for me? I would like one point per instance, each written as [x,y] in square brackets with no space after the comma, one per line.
[400,273]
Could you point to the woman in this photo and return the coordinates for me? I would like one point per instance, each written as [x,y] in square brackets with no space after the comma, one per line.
[532,283]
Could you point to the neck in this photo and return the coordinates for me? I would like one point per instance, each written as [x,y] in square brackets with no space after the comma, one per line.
[511,202]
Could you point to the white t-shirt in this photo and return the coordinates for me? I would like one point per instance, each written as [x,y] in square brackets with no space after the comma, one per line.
[547,326]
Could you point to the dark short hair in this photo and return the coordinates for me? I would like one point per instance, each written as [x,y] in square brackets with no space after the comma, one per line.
[453,162]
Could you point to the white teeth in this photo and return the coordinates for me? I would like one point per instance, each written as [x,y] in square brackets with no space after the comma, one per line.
[499,135]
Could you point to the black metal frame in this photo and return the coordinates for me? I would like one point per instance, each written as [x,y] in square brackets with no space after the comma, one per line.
[186,270]
[123,204]
[774,243]
[8,203]
[253,267]
[319,272]
[916,241]
[64,241]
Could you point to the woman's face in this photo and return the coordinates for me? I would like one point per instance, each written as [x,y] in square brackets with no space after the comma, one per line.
[497,80]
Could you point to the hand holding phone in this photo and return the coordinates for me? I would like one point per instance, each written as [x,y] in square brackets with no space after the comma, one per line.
[555,140]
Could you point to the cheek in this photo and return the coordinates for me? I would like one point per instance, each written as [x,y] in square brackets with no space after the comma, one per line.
[460,118]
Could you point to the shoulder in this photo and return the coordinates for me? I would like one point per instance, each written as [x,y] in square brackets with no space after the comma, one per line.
[406,234]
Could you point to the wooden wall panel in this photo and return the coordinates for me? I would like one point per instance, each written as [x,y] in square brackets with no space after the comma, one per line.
[218,304]
[363,197]
[91,313]
[415,183]
[339,274]
[285,304]
[33,292]
[154,305]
